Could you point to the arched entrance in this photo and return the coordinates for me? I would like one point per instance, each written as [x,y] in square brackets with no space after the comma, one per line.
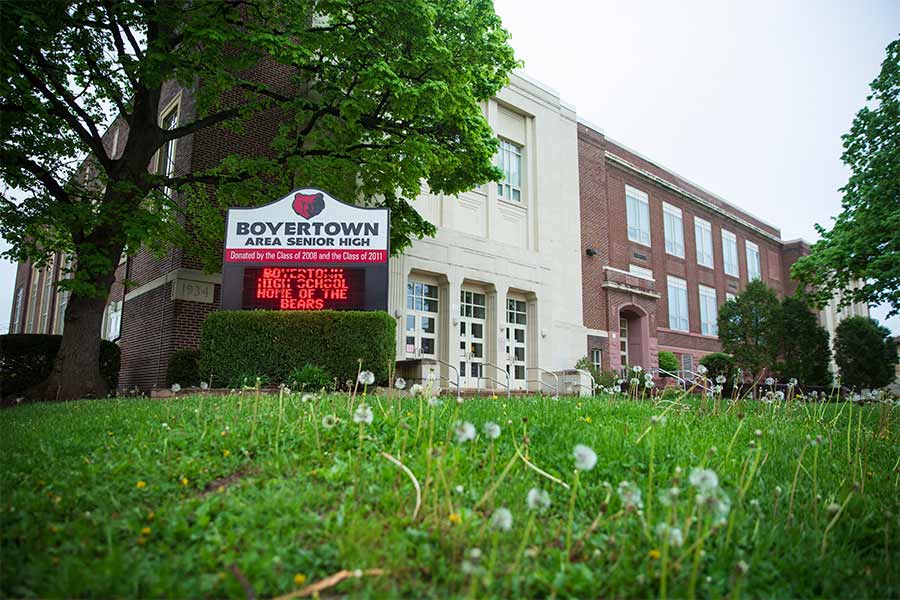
[634,337]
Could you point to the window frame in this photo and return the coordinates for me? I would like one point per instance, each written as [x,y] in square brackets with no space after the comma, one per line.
[709,310]
[703,234]
[729,240]
[676,318]
[639,271]
[674,237]
[505,189]
[641,209]
[754,268]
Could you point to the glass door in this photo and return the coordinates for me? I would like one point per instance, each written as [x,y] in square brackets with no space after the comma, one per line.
[421,319]
[471,338]
[516,323]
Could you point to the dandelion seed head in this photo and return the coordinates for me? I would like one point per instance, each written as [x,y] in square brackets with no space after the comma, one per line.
[637,368]
[307,397]
[704,480]
[329,421]
[363,414]
[502,519]
[491,430]
[585,457]
[721,379]
[630,495]
[176,388]
[434,402]
[702,370]
[400,383]
[366,377]
[464,432]
[770,381]
[537,499]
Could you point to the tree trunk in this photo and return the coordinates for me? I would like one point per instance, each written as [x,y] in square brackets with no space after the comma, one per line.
[76,370]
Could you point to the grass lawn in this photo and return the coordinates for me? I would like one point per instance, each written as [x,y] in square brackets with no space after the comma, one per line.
[227,496]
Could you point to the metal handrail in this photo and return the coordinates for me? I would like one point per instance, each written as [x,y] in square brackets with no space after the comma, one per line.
[455,370]
[499,370]
[542,383]
[696,378]
[556,389]
[683,381]
[593,381]
[497,381]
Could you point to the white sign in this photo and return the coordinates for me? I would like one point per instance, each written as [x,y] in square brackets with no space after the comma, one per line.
[307,226]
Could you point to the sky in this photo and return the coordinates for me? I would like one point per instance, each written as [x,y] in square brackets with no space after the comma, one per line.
[747,99]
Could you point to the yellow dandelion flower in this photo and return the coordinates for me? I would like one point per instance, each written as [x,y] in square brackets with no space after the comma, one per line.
[455,518]
[587,420]
[145,531]
[299,579]
[141,485]
[184,481]
[226,453]
[654,554]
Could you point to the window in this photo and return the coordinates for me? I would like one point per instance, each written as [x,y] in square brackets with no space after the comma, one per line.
[678,304]
[674,230]
[32,300]
[709,306]
[113,321]
[19,304]
[729,296]
[596,361]
[753,270]
[516,323]
[623,341]
[637,207]
[729,253]
[62,296]
[421,319]
[640,271]
[471,335]
[46,295]
[687,362]
[703,234]
[166,159]
[510,162]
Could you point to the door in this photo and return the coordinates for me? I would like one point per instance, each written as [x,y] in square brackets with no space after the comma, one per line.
[471,338]
[516,342]
[623,342]
[421,319]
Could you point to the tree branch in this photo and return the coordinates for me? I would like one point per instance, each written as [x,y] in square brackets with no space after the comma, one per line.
[40,173]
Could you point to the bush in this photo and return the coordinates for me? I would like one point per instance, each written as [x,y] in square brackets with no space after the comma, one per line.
[864,353]
[719,363]
[805,345]
[271,344]
[667,361]
[26,359]
[310,378]
[184,368]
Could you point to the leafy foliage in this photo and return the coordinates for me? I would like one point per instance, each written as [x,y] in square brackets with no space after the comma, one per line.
[184,368]
[310,378]
[864,353]
[750,327]
[668,361]
[719,363]
[272,344]
[369,100]
[806,348]
[26,360]
[860,256]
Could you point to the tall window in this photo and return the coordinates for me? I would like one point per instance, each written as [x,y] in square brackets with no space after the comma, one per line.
[421,319]
[703,235]
[753,269]
[46,295]
[32,301]
[596,360]
[709,306]
[678,304]
[623,341]
[113,322]
[62,297]
[17,310]
[516,323]
[166,161]
[674,230]
[729,253]
[510,162]
[637,207]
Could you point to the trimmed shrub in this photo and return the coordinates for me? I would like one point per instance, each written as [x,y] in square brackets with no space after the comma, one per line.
[184,368]
[271,344]
[26,359]
[668,361]
[719,363]
[864,353]
[805,345]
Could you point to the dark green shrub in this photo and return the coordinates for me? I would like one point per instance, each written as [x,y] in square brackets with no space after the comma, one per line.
[271,344]
[26,359]
[310,378]
[184,368]
[668,361]
[805,347]
[864,353]
[719,363]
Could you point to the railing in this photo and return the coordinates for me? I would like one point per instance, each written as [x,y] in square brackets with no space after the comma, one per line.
[455,370]
[541,381]
[507,385]
[618,278]
[681,380]
[593,381]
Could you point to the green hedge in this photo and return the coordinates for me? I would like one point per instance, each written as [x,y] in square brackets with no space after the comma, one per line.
[270,344]
[667,361]
[26,359]
[184,368]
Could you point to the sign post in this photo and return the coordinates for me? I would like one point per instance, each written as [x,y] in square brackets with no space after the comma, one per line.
[306,251]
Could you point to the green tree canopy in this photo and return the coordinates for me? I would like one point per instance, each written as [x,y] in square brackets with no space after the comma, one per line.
[374,99]
[863,246]
[864,353]
[750,327]
[805,344]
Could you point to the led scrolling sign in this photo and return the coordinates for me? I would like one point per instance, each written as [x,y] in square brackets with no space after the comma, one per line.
[306,251]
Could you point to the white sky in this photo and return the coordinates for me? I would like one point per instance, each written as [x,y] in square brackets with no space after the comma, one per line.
[747,99]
